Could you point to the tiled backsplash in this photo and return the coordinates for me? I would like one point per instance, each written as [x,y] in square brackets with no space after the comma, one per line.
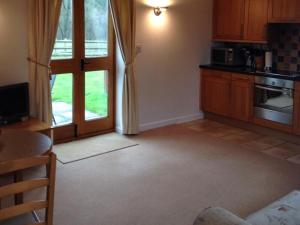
[284,41]
[285,44]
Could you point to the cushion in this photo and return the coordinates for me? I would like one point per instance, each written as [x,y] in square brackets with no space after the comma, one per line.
[285,211]
[218,216]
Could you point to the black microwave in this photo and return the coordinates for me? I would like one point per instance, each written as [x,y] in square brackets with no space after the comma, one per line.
[226,57]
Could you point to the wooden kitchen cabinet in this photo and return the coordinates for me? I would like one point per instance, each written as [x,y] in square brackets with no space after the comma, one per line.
[240,20]
[215,95]
[256,20]
[228,19]
[241,97]
[284,11]
[297,109]
[227,94]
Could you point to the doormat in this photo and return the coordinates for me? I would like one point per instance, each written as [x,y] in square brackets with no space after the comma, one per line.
[91,147]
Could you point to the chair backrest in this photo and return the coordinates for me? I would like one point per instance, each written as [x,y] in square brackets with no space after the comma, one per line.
[49,162]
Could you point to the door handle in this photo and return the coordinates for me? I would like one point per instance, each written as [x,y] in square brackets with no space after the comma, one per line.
[83,62]
[269,88]
[285,91]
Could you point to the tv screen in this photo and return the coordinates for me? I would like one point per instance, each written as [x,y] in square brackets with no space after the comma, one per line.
[14,102]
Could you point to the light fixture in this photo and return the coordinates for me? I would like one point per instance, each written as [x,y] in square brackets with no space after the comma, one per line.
[159,10]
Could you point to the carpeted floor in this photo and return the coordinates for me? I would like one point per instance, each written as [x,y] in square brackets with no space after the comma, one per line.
[173,174]
[167,179]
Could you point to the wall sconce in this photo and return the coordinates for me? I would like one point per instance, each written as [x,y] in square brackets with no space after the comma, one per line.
[159,10]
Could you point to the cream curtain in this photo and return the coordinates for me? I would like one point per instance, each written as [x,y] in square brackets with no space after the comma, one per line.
[123,13]
[43,23]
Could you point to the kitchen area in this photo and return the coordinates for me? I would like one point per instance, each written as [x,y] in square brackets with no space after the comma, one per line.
[254,74]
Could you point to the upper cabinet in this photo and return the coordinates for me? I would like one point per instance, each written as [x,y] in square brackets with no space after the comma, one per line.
[240,20]
[284,11]
[256,20]
[228,19]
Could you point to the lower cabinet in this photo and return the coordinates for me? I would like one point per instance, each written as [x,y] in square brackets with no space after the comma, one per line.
[227,94]
[241,97]
[231,95]
[297,109]
[216,92]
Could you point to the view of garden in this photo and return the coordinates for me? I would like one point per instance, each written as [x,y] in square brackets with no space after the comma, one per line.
[96,32]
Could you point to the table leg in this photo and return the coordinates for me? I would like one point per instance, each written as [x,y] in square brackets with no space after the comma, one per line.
[18,177]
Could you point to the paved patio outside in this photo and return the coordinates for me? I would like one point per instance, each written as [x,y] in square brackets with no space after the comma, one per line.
[63,113]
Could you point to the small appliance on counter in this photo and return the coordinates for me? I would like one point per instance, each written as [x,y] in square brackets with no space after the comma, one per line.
[226,57]
[254,58]
[268,60]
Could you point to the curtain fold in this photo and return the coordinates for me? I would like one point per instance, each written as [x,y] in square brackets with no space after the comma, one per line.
[43,23]
[124,19]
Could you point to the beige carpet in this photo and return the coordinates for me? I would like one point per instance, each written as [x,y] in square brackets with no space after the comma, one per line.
[91,147]
[173,174]
[167,179]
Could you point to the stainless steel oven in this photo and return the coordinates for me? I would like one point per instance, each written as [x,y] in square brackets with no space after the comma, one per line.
[274,99]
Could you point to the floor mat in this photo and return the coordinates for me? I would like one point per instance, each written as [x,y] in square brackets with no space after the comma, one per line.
[90,147]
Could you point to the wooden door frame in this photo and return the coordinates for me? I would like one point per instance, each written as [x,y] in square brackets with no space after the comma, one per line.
[72,131]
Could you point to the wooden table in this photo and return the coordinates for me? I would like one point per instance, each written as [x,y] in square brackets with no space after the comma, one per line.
[16,145]
[32,124]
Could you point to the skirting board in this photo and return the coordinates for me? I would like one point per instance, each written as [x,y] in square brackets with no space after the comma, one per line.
[176,120]
[119,130]
[167,122]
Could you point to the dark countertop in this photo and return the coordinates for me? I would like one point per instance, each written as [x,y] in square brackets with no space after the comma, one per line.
[281,74]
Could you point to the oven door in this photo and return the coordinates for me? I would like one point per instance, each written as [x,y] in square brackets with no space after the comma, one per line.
[275,104]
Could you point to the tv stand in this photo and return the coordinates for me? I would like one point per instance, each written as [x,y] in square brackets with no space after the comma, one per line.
[32,124]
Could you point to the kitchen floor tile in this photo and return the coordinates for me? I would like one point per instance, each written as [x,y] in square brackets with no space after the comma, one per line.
[264,143]
[205,125]
[195,122]
[295,159]
[284,151]
[290,146]
[236,138]
[251,135]
[280,152]
[222,131]
[254,141]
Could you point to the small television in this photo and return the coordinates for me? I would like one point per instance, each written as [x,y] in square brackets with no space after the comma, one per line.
[14,103]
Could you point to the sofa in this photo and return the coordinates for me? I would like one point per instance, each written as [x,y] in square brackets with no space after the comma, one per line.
[285,211]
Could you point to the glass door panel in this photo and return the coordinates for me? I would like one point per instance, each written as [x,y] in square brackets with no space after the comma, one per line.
[82,59]
[63,48]
[62,98]
[96,28]
[96,95]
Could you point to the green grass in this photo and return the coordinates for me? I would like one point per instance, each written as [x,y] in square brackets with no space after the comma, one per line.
[95,93]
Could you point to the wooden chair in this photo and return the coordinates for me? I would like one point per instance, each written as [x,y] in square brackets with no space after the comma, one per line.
[17,211]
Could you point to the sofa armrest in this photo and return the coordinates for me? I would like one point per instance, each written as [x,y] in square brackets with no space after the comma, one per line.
[218,216]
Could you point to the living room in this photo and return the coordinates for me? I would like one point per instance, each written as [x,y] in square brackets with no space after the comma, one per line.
[133,142]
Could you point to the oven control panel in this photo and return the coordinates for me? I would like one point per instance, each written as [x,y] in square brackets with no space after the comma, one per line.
[274,82]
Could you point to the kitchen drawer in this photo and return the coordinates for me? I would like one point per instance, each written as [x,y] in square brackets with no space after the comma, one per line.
[242,77]
[216,74]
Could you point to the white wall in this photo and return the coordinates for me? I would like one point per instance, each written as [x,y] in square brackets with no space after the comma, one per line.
[13,41]
[167,68]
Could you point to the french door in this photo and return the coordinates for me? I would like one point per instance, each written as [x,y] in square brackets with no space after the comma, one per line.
[82,83]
